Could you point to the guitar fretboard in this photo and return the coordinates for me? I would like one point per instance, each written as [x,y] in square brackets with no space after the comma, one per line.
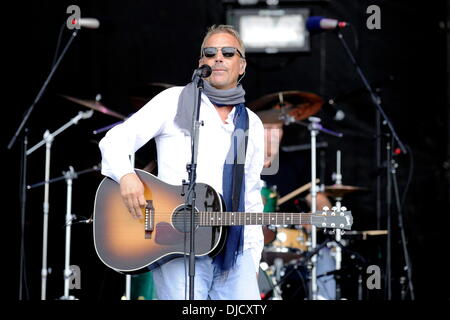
[252,218]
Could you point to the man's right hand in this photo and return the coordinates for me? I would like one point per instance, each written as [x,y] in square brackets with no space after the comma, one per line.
[132,192]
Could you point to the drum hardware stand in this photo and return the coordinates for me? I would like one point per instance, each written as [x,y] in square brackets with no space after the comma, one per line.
[48,140]
[284,277]
[68,176]
[337,272]
[314,127]
[338,233]
[106,128]
[278,264]
[381,115]
[23,172]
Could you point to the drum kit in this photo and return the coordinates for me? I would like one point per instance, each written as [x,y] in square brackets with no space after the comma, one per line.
[290,252]
[285,270]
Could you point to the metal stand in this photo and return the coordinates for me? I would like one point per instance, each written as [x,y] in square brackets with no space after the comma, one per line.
[381,115]
[48,140]
[128,276]
[408,266]
[314,127]
[338,233]
[68,176]
[23,201]
[24,161]
[191,195]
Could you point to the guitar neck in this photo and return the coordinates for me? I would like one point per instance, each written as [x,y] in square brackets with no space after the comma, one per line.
[211,219]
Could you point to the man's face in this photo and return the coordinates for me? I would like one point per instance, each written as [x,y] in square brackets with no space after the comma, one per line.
[225,71]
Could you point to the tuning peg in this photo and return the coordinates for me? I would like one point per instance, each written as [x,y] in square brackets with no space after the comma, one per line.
[343,209]
[325,208]
[334,208]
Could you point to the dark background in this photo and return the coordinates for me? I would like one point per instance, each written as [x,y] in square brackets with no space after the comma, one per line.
[148,41]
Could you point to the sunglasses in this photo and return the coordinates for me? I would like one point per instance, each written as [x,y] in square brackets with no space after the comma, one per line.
[227,52]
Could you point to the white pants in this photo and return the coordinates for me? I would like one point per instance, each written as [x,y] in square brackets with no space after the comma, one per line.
[172,280]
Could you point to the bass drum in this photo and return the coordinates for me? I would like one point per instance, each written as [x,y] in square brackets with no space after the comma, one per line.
[294,282]
[292,285]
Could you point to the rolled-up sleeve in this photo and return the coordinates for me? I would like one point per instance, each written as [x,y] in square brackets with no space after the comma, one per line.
[253,185]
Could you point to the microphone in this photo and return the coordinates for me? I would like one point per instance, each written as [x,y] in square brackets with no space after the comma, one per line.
[319,24]
[203,72]
[88,23]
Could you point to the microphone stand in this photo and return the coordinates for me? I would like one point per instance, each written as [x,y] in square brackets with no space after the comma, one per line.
[68,176]
[48,140]
[192,171]
[389,172]
[23,173]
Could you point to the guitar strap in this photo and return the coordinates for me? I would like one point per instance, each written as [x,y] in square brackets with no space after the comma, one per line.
[234,189]
[238,174]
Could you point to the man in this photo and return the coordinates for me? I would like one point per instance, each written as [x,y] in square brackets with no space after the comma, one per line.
[233,273]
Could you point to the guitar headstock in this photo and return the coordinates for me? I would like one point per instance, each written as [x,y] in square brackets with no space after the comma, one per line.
[334,218]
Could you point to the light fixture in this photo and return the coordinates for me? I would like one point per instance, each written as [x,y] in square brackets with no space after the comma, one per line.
[271,30]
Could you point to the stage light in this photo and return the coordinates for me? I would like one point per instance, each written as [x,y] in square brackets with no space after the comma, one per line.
[271,30]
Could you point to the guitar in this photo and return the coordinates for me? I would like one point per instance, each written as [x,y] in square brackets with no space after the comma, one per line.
[130,245]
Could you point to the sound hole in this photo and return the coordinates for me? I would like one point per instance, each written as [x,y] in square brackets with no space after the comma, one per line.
[181,219]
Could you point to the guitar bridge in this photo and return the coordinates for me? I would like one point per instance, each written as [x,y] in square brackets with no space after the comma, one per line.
[149,219]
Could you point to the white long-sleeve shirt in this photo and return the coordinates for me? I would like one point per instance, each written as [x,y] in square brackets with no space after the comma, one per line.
[156,120]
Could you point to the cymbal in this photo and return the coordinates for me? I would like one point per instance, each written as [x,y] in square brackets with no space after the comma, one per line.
[272,107]
[95,105]
[366,233]
[339,190]
[295,193]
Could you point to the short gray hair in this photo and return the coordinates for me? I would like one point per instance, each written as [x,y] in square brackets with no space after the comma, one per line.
[223,28]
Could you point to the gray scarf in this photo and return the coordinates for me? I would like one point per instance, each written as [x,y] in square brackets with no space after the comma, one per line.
[186,104]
